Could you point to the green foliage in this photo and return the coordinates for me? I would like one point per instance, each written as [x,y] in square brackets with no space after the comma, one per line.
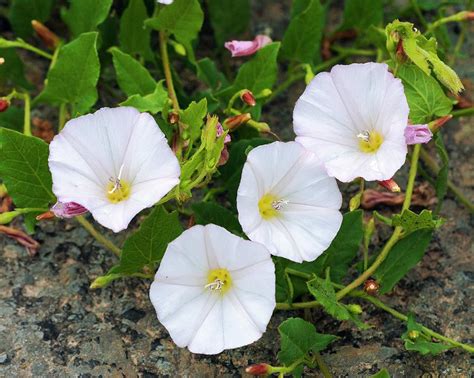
[361,14]
[229,19]
[183,19]
[192,118]
[12,118]
[22,12]
[152,103]
[299,340]
[132,77]
[209,74]
[411,221]
[441,183]
[212,212]
[68,85]
[260,72]
[302,39]
[134,37]
[425,97]
[85,15]
[404,255]
[416,340]
[12,70]
[325,294]
[24,169]
[381,374]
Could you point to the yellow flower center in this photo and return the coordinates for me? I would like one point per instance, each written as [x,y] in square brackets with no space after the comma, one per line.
[269,206]
[370,142]
[118,190]
[219,280]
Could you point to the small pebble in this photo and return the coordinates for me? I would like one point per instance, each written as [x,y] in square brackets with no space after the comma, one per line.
[3,358]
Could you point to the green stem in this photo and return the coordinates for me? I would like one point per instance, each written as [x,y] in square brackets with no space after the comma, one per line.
[62,116]
[322,366]
[167,70]
[463,112]
[27,117]
[282,370]
[396,233]
[352,51]
[457,17]
[98,236]
[433,166]
[24,45]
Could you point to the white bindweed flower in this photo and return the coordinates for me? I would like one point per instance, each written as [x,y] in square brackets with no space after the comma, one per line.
[354,119]
[167,2]
[214,290]
[114,162]
[287,201]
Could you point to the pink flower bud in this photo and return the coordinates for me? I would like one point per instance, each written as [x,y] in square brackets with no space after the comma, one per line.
[244,48]
[248,98]
[416,134]
[225,152]
[390,185]
[437,123]
[4,104]
[232,123]
[220,131]
[258,369]
[68,209]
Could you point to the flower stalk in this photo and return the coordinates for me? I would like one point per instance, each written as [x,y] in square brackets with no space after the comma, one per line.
[98,236]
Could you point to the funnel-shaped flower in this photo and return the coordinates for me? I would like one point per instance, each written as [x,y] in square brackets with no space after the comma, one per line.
[287,201]
[354,119]
[115,163]
[244,48]
[214,290]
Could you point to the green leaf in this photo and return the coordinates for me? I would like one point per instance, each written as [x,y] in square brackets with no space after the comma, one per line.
[299,339]
[12,118]
[302,39]
[229,19]
[147,246]
[22,12]
[134,37]
[260,72]
[192,117]
[411,221]
[132,77]
[73,78]
[183,19]
[361,14]
[24,169]
[212,212]
[381,374]
[404,255]
[12,71]
[416,340]
[208,72]
[425,97]
[152,103]
[441,183]
[85,15]
[325,294]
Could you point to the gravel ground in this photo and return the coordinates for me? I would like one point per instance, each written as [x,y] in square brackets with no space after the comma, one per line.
[52,324]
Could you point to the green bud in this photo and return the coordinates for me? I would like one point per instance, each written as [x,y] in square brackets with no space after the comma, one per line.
[309,74]
[413,334]
[264,93]
[102,281]
[3,190]
[354,308]
[354,203]
[369,229]
[8,216]
[178,47]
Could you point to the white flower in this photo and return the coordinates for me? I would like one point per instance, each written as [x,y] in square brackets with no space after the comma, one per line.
[167,2]
[214,290]
[287,201]
[115,163]
[354,119]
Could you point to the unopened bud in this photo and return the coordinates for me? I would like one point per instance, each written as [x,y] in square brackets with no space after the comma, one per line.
[437,123]
[469,16]
[44,216]
[50,39]
[258,369]
[248,98]
[4,104]
[354,308]
[354,203]
[390,185]
[2,60]
[264,93]
[232,123]
[8,216]
[371,287]
[179,49]
[413,334]
[173,118]
[68,209]
[400,52]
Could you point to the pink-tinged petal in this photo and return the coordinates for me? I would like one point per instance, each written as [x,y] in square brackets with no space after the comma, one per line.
[68,209]
[220,131]
[416,134]
[244,48]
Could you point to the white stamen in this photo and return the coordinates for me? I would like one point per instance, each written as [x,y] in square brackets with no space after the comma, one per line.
[216,285]
[117,183]
[278,205]
[365,136]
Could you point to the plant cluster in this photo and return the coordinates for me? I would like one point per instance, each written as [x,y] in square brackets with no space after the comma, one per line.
[178,136]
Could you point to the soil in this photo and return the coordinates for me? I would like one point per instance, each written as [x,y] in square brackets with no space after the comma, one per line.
[52,324]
